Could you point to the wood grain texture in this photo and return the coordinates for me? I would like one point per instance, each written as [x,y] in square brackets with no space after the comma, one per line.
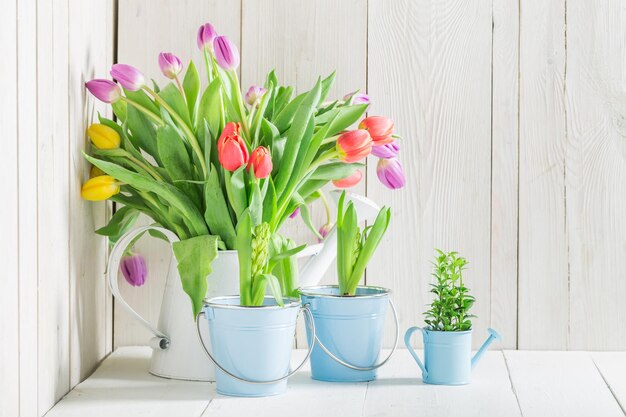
[543,253]
[9,296]
[164,26]
[550,384]
[429,68]
[612,368]
[595,174]
[504,169]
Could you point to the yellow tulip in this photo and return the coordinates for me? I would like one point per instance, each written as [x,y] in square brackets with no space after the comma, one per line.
[100,188]
[95,172]
[103,136]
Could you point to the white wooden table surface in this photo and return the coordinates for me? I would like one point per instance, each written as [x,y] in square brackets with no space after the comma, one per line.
[505,384]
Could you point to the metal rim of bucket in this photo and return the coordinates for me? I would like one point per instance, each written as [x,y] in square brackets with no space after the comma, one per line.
[214,303]
[310,291]
[395,317]
[311,325]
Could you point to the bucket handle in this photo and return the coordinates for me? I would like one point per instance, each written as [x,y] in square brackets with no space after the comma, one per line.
[367,368]
[161,340]
[311,324]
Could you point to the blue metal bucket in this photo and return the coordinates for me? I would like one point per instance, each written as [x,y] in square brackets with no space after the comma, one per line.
[448,355]
[349,332]
[251,346]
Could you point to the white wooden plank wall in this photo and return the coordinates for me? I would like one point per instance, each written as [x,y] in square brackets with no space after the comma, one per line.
[55,311]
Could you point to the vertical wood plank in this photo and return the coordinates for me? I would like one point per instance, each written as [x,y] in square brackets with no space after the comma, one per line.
[315,38]
[543,257]
[504,169]
[28,190]
[596,173]
[9,347]
[90,57]
[53,192]
[145,28]
[429,68]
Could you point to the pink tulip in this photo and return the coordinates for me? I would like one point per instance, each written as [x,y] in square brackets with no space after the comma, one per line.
[254,94]
[357,98]
[170,65]
[231,149]
[387,151]
[134,270]
[390,173]
[380,129]
[324,231]
[104,90]
[354,145]
[260,162]
[206,35]
[226,53]
[130,77]
[349,181]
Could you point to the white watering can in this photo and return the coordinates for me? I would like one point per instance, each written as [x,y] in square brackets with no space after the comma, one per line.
[176,352]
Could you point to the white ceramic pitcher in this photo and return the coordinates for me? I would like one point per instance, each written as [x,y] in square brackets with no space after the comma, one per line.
[176,351]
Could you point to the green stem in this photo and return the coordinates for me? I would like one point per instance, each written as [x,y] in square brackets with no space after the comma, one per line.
[326,207]
[180,88]
[144,110]
[242,109]
[145,166]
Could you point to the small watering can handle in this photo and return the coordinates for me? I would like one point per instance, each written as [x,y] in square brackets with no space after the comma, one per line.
[308,320]
[113,267]
[366,368]
[407,342]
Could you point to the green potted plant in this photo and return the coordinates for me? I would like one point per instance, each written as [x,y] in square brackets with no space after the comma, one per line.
[349,318]
[448,331]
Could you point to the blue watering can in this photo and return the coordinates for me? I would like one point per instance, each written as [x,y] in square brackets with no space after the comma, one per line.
[448,355]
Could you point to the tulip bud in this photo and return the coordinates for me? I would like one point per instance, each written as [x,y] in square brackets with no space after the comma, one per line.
[389,150]
[380,129]
[206,36]
[100,188]
[354,145]
[349,181]
[134,270]
[104,90]
[170,65]
[254,94]
[260,162]
[103,136]
[226,53]
[130,77]
[295,213]
[390,173]
[324,231]
[94,171]
[231,149]
[357,98]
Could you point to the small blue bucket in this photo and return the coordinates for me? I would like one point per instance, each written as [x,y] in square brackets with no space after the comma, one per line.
[349,332]
[251,346]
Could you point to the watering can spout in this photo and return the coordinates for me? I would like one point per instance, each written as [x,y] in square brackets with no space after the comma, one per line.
[493,335]
[317,265]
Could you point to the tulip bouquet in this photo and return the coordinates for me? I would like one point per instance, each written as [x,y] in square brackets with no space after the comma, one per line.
[225,170]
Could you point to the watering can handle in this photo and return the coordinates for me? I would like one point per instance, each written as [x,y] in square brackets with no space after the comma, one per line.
[115,258]
[407,342]
[311,324]
[366,368]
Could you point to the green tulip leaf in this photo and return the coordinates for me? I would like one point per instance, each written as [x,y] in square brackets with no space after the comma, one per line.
[217,215]
[121,222]
[174,98]
[191,87]
[244,252]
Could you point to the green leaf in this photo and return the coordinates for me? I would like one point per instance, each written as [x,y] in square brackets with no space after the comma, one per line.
[217,215]
[269,201]
[347,233]
[211,108]
[121,222]
[305,214]
[260,284]
[334,171]
[172,96]
[283,119]
[341,118]
[327,84]
[173,153]
[194,258]
[143,131]
[120,109]
[244,253]
[236,190]
[191,87]
[256,204]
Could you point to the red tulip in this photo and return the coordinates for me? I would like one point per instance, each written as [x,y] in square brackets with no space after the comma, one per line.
[349,181]
[354,145]
[380,129]
[260,162]
[231,149]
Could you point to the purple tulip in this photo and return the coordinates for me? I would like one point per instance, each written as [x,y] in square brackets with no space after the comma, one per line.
[134,270]
[130,77]
[226,53]
[386,151]
[206,35]
[104,90]
[295,213]
[324,231]
[254,94]
[170,65]
[357,98]
[390,173]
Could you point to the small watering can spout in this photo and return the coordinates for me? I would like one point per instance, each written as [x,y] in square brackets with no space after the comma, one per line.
[317,265]
[493,335]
